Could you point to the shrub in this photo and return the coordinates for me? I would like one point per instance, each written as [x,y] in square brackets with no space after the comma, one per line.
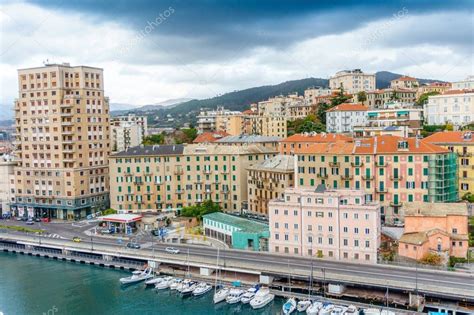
[431,259]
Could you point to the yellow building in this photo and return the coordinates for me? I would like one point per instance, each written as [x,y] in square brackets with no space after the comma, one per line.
[461,143]
[150,178]
[268,180]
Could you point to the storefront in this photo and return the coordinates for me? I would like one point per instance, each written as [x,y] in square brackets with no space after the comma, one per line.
[121,223]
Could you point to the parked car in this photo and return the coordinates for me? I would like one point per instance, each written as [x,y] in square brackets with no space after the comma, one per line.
[24,219]
[30,222]
[76,239]
[172,250]
[46,220]
[37,219]
[106,231]
[133,245]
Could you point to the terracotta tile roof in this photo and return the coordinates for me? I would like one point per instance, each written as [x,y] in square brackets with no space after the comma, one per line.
[249,112]
[348,107]
[210,136]
[386,144]
[405,78]
[451,137]
[316,137]
[434,209]
[454,92]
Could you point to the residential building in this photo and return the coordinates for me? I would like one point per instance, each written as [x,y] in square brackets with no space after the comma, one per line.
[352,81]
[7,183]
[269,126]
[342,118]
[404,82]
[326,223]
[466,84]
[379,98]
[230,124]
[236,232]
[268,180]
[391,170]
[270,142]
[312,94]
[125,134]
[210,136]
[439,87]
[169,177]
[297,141]
[435,228]
[206,120]
[395,114]
[461,143]
[454,106]
[63,142]
[376,130]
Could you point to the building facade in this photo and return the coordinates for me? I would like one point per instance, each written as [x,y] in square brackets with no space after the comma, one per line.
[169,177]
[236,232]
[342,118]
[462,144]
[391,170]
[207,119]
[435,228]
[245,140]
[63,142]
[379,98]
[333,224]
[466,84]
[298,141]
[454,106]
[352,81]
[127,131]
[312,95]
[7,183]
[268,180]
[404,82]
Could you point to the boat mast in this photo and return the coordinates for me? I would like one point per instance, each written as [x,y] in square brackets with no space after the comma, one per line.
[187,258]
[217,271]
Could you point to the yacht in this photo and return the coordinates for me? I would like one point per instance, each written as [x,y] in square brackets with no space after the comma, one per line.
[165,284]
[351,310]
[314,308]
[174,284]
[221,295]
[153,281]
[326,309]
[188,290]
[303,305]
[202,288]
[289,307]
[338,310]
[262,298]
[235,295]
[249,295]
[137,276]
[180,287]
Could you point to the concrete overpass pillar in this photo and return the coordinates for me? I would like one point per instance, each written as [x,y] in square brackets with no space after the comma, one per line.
[266,279]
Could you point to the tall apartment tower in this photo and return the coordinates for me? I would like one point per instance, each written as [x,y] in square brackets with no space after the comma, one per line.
[62,141]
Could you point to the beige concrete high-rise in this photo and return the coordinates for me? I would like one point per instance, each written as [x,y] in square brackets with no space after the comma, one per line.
[63,142]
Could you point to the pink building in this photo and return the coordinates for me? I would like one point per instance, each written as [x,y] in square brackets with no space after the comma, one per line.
[334,224]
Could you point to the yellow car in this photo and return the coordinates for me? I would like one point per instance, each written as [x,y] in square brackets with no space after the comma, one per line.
[76,239]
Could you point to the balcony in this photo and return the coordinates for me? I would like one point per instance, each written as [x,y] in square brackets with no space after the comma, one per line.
[367,177]
[225,172]
[66,105]
[465,154]
[334,164]
[68,132]
[225,191]
[69,150]
[158,183]
[396,178]
[381,189]
[178,172]
[396,204]
[179,191]
[139,183]
[66,114]
[67,123]
[357,164]
[378,164]
[347,177]
[323,176]
[207,172]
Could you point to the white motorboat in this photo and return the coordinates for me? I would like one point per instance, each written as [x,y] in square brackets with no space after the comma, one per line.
[338,310]
[165,284]
[234,296]
[182,285]
[326,309]
[314,308]
[153,281]
[289,306]
[249,295]
[303,305]
[174,284]
[221,295]
[351,310]
[138,276]
[262,298]
[371,311]
[202,288]
[188,290]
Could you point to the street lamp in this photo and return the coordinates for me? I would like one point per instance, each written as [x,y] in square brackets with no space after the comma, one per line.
[92,244]
[324,281]
[416,268]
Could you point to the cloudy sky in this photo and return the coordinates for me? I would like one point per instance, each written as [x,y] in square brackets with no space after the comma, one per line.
[157,50]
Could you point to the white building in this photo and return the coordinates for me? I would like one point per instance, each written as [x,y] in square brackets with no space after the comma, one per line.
[311,94]
[7,186]
[456,107]
[466,84]
[343,117]
[127,131]
[353,81]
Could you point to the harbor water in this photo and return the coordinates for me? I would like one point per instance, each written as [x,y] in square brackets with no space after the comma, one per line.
[33,285]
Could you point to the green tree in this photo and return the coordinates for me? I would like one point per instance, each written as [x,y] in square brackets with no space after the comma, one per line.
[361,96]
[197,211]
[340,97]
[424,98]
[154,139]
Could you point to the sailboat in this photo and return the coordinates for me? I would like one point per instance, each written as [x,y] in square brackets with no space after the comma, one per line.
[220,293]
[303,305]
[290,305]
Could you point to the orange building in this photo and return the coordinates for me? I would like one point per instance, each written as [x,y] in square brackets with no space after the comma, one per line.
[295,143]
[439,228]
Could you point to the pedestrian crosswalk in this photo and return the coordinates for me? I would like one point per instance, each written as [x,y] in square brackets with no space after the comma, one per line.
[53,235]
